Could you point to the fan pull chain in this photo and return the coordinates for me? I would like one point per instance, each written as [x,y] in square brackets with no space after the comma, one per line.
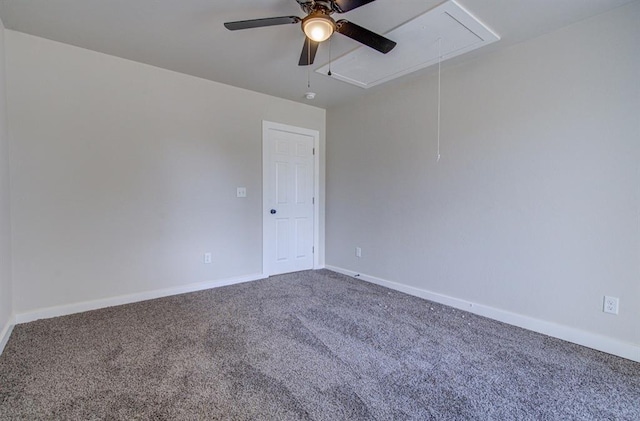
[439,73]
[308,63]
[329,72]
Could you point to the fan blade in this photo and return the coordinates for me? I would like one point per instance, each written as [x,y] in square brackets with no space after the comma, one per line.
[307,56]
[259,23]
[342,6]
[365,36]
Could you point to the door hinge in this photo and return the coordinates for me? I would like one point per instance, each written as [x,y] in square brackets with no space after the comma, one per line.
[313,200]
[313,250]
[314,151]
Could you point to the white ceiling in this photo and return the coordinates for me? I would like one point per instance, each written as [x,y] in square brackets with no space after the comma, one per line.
[188,36]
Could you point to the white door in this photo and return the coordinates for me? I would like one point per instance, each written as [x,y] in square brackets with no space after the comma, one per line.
[288,198]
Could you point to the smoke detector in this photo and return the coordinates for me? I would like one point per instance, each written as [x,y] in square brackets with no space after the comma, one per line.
[310,95]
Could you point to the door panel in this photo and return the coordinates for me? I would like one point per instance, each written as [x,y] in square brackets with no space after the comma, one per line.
[301,184]
[282,239]
[281,180]
[302,243]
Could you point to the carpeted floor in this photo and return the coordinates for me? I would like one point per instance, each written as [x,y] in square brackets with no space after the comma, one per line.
[312,345]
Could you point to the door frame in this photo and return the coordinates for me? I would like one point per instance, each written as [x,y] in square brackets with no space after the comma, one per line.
[315,134]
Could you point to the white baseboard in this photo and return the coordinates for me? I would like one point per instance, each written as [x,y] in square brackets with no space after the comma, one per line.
[6,333]
[63,310]
[577,336]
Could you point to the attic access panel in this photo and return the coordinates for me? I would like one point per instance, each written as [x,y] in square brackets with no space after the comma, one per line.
[447,27]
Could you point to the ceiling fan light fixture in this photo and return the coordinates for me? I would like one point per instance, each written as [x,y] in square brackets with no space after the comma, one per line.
[318,27]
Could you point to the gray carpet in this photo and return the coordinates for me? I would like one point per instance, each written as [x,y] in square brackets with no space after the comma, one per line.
[312,345]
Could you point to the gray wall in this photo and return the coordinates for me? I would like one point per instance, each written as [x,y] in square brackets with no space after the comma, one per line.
[5,221]
[124,174]
[534,207]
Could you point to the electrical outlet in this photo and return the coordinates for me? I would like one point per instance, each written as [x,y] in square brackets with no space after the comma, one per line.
[207,258]
[611,304]
[241,192]
[358,252]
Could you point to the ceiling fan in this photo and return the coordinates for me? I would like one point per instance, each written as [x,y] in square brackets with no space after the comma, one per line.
[318,26]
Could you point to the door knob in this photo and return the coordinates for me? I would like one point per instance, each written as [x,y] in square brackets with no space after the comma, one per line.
[273,211]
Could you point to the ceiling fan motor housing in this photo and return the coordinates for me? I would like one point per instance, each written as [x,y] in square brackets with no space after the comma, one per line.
[328,7]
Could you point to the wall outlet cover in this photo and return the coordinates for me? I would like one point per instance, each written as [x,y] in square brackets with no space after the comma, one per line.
[611,304]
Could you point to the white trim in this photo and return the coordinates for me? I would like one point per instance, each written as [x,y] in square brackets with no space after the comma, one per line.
[316,203]
[315,134]
[6,334]
[63,310]
[567,333]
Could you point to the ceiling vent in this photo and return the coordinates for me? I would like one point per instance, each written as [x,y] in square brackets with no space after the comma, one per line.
[447,28]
